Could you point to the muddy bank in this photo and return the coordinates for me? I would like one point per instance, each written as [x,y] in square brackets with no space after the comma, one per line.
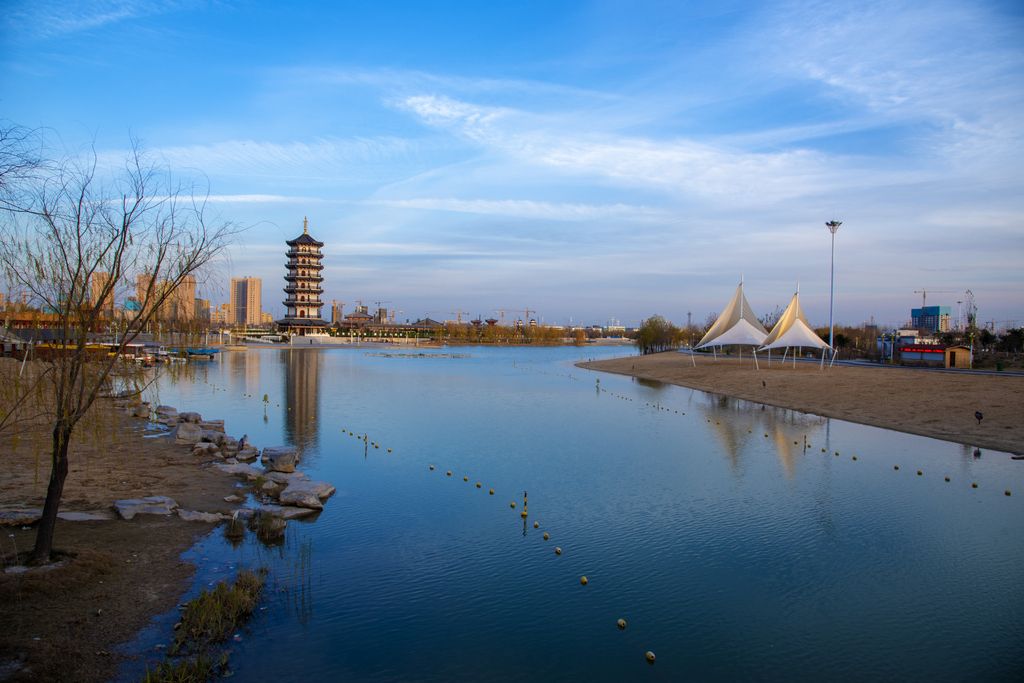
[65,623]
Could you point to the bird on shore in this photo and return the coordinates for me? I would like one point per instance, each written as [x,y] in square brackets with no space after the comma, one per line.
[978,416]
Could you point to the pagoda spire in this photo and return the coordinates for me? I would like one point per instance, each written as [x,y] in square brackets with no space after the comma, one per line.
[305,225]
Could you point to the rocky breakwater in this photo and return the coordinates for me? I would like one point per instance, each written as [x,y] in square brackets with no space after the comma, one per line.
[278,491]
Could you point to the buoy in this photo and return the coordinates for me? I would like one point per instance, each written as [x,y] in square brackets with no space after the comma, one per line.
[512,505]
[837,452]
[536,524]
[465,478]
[558,551]
[389,450]
[448,473]
[523,514]
[855,457]
[1006,492]
[546,536]
[583,581]
[766,436]
[974,484]
[478,485]
[895,467]
[822,450]
[649,656]
[431,468]
[919,473]
[621,623]
[490,491]
[946,478]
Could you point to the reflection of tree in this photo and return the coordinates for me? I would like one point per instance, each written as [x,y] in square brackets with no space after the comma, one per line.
[302,395]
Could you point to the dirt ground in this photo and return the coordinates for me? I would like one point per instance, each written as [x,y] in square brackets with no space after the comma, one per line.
[64,623]
[936,404]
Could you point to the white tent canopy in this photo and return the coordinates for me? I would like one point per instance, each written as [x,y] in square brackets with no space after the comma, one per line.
[736,325]
[792,330]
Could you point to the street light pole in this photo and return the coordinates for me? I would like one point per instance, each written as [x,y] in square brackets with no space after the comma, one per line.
[832,226]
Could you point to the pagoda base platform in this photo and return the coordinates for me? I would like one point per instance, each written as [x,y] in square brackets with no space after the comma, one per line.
[303,326]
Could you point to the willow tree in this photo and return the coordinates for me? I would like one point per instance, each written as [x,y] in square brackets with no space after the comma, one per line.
[75,238]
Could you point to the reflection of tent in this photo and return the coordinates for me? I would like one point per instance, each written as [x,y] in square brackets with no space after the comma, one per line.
[792,331]
[736,326]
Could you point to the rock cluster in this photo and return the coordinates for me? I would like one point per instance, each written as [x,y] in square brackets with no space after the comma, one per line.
[283,492]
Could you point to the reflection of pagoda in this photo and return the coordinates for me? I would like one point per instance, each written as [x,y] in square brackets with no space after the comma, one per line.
[304,285]
[302,396]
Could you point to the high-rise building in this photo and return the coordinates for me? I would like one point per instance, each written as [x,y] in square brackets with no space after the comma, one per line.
[181,303]
[304,285]
[930,318]
[201,310]
[246,300]
[97,284]
[337,312]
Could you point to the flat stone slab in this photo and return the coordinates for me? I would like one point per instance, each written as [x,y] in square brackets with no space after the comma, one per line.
[286,511]
[285,477]
[213,425]
[320,489]
[167,411]
[247,471]
[208,517]
[93,516]
[22,517]
[150,505]
[190,417]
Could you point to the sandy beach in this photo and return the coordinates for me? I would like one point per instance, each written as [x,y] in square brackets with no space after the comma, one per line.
[935,404]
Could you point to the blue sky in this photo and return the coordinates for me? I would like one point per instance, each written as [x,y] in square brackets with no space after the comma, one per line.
[591,160]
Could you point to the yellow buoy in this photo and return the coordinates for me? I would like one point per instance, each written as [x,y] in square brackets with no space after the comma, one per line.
[621,623]
[478,484]
[855,457]
[822,450]
[895,467]
[946,478]
[974,484]
[512,505]
[919,473]
[465,478]
[431,468]
[1006,492]
[583,581]
[536,524]
[546,536]
[389,450]
[649,656]
[490,491]
[448,473]
[558,550]
[523,514]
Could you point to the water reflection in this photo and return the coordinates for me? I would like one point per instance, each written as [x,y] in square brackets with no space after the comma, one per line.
[735,423]
[301,406]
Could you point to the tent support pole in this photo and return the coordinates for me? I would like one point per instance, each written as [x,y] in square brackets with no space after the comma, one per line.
[835,352]
[822,360]
[692,359]
[756,366]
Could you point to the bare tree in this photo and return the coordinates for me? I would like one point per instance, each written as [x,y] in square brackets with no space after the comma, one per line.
[77,238]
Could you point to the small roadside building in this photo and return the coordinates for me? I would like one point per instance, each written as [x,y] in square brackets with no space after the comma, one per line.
[958,357]
[921,354]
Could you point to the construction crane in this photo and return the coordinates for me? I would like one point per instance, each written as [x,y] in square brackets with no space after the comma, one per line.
[458,315]
[924,294]
[501,313]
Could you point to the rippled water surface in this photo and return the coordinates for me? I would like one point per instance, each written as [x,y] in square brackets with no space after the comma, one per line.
[733,548]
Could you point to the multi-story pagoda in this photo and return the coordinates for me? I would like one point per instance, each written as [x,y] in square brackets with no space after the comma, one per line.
[304,286]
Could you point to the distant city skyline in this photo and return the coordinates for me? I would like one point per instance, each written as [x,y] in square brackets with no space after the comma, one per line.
[587,160]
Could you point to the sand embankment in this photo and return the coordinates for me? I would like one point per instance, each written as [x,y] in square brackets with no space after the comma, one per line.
[935,404]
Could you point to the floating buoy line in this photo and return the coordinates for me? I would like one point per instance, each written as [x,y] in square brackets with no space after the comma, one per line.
[524,513]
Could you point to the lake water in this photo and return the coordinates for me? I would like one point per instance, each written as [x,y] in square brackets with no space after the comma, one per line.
[733,550]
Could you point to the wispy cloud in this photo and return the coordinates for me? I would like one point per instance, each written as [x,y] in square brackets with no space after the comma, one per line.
[48,19]
[528,209]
